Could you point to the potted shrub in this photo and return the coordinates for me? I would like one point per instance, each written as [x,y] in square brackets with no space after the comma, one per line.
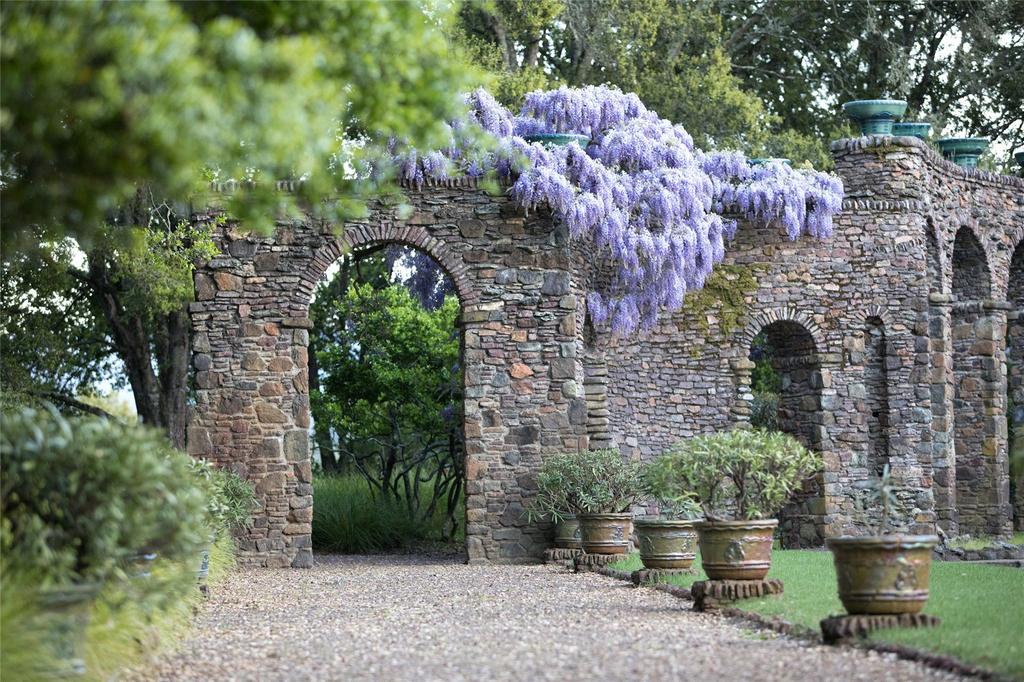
[598,487]
[670,541]
[741,478]
[81,496]
[567,533]
[883,573]
[875,116]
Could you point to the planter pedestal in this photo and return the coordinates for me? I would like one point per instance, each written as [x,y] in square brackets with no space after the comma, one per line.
[711,594]
[559,555]
[657,575]
[837,628]
[583,562]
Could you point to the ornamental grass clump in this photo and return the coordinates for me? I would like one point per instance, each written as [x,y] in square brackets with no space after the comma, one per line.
[651,203]
[586,483]
[740,474]
[230,498]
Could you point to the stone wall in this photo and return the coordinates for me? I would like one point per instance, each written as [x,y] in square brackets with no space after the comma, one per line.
[909,365]
[892,337]
[523,375]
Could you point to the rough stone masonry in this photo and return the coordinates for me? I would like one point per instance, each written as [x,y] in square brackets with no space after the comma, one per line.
[898,341]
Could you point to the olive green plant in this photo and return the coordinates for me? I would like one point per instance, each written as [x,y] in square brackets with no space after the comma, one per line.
[741,474]
[80,497]
[590,482]
[674,497]
[230,499]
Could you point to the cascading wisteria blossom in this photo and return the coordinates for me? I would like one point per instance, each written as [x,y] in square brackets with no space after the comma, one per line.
[658,208]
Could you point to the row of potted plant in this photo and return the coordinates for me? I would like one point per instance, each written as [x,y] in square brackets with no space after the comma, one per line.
[879,117]
[720,492]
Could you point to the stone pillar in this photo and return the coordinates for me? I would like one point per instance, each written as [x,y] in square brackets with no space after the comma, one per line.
[742,408]
[982,472]
[940,353]
[595,386]
[1015,393]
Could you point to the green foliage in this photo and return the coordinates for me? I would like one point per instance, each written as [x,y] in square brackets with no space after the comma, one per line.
[589,482]
[348,517]
[958,64]
[745,473]
[662,481]
[24,638]
[389,396]
[81,496]
[170,94]
[764,411]
[230,499]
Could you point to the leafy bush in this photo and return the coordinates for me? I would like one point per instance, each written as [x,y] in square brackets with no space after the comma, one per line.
[230,498]
[349,518]
[745,473]
[591,482]
[764,412]
[80,496]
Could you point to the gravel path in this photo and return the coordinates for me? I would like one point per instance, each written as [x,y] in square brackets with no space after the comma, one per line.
[427,618]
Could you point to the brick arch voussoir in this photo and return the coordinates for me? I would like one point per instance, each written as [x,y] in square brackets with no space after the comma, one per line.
[762,319]
[414,236]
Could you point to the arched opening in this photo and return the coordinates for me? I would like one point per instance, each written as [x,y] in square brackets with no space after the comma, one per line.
[1015,383]
[876,385]
[976,444]
[386,401]
[786,381]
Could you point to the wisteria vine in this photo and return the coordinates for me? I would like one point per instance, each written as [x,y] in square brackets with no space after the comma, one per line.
[658,208]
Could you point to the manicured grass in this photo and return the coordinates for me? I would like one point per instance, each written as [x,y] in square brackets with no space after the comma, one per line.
[983,542]
[348,519]
[980,606]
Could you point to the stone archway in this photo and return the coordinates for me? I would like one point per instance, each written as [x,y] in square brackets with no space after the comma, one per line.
[521,372]
[796,344]
[978,335]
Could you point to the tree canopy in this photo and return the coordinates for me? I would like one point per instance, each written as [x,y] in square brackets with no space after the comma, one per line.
[98,98]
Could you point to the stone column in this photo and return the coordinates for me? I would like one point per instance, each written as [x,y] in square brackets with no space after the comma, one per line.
[940,352]
[742,407]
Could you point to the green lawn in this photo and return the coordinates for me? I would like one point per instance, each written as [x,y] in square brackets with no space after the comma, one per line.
[981,607]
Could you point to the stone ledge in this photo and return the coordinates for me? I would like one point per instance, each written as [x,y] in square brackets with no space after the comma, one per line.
[837,628]
[712,594]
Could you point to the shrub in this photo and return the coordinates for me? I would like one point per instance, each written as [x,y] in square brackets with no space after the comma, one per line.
[349,518]
[591,482]
[744,474]
[230,498]
[764,411]
[80,496]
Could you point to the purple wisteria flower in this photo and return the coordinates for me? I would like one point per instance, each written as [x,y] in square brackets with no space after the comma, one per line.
[640,192]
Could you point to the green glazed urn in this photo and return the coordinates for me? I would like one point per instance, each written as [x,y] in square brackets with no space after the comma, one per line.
[875,116]
[918,129]
[666,544]
[963,151]
[558,139]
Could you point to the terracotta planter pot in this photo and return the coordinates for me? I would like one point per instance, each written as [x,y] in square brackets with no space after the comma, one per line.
[567,534]
[883,574]
[606,533]
[736,550]
[666,544]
